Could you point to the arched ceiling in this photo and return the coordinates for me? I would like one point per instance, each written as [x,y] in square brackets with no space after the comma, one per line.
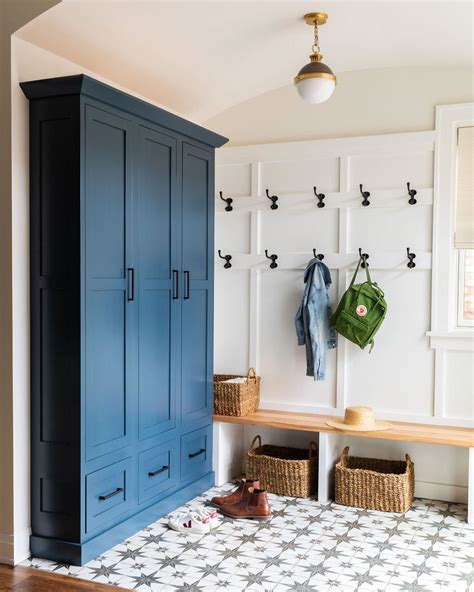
[200,58]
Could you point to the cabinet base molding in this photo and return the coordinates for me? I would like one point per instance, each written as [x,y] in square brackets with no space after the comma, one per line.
[80,553]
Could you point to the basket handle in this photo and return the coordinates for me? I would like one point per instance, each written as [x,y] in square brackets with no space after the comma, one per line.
[409,462]
[257,437]
[344,455]
[252,374]
[313,449]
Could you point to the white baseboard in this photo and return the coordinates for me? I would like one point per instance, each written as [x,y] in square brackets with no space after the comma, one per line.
[15,548]
[441,491]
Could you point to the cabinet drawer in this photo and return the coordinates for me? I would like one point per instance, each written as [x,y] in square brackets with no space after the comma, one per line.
[196,453]
[157,470]
[108,494]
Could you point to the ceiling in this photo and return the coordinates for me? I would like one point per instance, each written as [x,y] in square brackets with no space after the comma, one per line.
[200,58]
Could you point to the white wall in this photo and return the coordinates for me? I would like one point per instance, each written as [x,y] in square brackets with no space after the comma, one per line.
[400,378]
[13,14]
[366,102]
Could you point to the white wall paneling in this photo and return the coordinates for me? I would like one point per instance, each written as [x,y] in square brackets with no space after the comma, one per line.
[399,385]
[403,378]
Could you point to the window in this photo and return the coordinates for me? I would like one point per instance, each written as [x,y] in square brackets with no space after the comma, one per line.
[466,288]
[464,225]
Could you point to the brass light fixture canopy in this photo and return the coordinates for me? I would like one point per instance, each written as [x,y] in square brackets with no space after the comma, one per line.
[316,18]
[315,69]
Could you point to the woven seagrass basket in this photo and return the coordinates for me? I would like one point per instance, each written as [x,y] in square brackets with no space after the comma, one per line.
[236,399]
[385,485]
[283,470]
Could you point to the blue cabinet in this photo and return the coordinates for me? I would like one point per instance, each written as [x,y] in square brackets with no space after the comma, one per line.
[121,314]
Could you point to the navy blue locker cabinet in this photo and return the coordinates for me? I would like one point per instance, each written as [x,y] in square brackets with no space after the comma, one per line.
[122,227]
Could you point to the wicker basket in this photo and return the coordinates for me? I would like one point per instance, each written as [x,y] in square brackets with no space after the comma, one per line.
[386,485]
[281,470]
[234,398]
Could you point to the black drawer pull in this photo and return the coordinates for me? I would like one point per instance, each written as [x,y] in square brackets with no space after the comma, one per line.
[158,471]
[193,454]
[102,498]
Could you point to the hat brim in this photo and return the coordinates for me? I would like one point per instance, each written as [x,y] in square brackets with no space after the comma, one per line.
[378,426]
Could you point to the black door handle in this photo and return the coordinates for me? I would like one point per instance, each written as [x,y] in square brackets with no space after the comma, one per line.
[175,284]
[158,471]
[193,454]
[186,285]
[130,284]
[109,495]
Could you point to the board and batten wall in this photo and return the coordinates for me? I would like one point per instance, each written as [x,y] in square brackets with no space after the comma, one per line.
[255,305]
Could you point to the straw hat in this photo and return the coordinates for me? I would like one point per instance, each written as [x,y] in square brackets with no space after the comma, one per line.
[359,419]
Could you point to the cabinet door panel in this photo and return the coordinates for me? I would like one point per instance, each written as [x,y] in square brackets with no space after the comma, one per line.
[158,310]
[106,368]
[109,325]
[195,377]
[197,255]
[106,140]
[197,181]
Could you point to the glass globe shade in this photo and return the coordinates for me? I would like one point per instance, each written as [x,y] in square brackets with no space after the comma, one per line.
[315,90]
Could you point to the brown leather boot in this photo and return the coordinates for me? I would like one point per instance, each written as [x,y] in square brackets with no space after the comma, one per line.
[240,493]
[254,506]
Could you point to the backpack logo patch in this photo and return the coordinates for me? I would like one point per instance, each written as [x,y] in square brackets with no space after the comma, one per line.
[361,310]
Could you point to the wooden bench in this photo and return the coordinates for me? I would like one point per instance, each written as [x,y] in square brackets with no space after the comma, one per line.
[330,440]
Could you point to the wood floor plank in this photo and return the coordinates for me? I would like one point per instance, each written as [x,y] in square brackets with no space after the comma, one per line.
[27,579]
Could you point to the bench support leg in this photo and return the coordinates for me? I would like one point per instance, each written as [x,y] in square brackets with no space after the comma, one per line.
[228,451]
[470,488]
[330,448]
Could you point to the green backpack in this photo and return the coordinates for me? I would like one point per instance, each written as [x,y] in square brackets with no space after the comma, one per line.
[361,311]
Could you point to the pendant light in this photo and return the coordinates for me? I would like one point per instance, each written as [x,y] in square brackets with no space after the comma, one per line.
[315,82]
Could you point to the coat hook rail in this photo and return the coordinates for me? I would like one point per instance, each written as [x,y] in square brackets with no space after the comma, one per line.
[228,201]
[365,195]
[273,264]
[411,192]
[319,256]
[227,258]
[273,198]
[411,264]
[364,257]
[320,197]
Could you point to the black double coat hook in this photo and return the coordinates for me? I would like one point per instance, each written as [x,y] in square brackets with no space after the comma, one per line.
[274,199]
[411,193]
[411,264]
[320,197]
[273,264]
[227,258]
[365,195]
[364,257]
[319,256]
[228,201]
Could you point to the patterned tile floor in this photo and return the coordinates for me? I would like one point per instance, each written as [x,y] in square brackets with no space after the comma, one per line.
[307,546]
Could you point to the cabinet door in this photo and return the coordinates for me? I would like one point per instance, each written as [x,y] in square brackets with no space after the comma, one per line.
[197,264]
[158,281]
[109,324]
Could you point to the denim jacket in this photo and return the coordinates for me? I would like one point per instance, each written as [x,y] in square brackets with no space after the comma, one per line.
[312,319]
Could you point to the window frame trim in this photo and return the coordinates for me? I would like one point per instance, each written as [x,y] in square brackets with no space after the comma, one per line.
[445,258]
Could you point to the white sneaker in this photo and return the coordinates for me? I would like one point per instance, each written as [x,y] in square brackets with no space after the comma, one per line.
[192,522]
[210,514]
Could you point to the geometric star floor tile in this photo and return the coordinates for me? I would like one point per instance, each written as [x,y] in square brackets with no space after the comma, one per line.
[306,547]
